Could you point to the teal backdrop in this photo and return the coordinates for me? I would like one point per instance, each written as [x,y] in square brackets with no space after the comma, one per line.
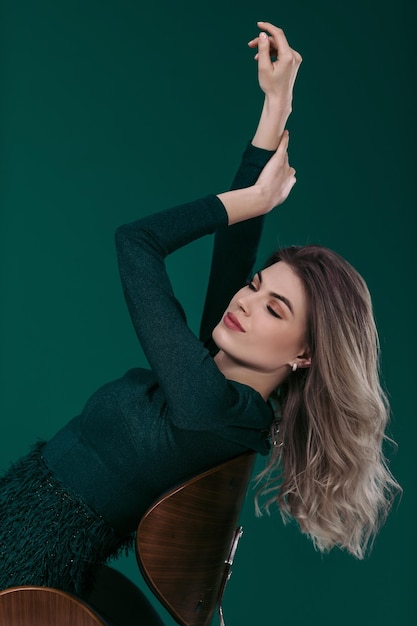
[111,109]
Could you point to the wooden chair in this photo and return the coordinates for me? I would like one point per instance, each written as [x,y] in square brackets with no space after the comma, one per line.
[42,606]
[186,541]
[113,600]
[185,548]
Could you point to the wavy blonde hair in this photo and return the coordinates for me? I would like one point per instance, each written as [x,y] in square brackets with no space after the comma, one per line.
[328,470]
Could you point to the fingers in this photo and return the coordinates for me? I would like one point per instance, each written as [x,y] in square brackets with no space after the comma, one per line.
[253,43]
[264,53]
[283,143]
[281,154]
[292,182]
[279,45]
[278,177]
[278,36]
[257,43]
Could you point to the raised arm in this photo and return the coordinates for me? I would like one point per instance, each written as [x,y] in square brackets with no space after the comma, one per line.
[193,386]
[235,247]
[195,389]
[276,79]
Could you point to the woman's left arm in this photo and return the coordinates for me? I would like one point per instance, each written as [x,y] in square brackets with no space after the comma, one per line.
[194,388]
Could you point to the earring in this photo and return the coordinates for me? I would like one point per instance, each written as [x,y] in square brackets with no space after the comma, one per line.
[294,367]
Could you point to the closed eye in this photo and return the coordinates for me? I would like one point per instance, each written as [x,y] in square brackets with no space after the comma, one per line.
[273,312]
[253,287]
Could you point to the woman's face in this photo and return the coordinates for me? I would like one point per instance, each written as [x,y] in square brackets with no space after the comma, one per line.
[264,327]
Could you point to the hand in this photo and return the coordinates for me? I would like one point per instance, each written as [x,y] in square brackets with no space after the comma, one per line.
[271,189]
[277,178]
[276,78]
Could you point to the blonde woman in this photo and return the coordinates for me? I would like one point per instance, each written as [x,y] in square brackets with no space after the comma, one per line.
[286,365]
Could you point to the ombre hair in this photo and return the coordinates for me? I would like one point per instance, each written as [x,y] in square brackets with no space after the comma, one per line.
[327,468]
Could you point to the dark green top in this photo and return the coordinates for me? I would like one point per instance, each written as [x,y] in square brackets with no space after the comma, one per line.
[151,429]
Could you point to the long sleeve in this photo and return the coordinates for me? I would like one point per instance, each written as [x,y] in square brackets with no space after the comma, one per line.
[148,430]
[234,251]
[195,390]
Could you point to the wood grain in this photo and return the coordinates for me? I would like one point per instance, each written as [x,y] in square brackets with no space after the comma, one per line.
[42,606]
[184,540]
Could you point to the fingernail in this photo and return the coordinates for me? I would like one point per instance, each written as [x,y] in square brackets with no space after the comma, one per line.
[262,35]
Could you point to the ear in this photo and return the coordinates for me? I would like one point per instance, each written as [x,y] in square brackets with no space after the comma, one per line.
[304,360]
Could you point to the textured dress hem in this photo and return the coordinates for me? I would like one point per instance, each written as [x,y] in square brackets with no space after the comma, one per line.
[48,535]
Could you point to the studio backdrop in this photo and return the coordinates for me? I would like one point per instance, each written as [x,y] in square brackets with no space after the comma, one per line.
[112,109]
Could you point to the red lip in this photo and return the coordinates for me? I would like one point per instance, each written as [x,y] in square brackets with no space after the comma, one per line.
[232,322]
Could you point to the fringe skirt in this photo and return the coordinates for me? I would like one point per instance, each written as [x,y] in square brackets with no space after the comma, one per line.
[48,536]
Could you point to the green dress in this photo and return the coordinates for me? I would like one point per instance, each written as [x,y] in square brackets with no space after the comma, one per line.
[76,500]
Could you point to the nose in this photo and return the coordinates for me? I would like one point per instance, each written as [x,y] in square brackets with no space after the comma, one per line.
[244,304]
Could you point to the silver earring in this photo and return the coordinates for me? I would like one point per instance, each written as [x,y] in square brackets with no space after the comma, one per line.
[275,433]
[294,367]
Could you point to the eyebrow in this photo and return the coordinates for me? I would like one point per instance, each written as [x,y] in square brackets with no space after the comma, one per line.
[277,295]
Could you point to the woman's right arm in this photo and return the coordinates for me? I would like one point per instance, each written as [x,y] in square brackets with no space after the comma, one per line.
[276,79]
[235,247]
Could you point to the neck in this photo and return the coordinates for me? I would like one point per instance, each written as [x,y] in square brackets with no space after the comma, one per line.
[263,382]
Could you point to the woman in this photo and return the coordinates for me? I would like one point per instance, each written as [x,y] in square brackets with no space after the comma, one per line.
[294,350]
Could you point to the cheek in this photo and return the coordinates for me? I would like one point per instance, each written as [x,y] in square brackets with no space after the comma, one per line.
[278,340]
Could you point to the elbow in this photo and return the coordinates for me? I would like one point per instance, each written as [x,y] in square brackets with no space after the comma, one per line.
[123,240]
[122,244]
[120,235]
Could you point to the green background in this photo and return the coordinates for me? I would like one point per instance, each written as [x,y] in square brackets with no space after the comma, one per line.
[115,108]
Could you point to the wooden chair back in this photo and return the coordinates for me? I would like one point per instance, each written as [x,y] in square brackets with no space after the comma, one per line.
[185,542]
[43,606]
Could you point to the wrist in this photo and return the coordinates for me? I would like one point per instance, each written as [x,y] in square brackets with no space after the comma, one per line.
[244,204]
[278,106]
[274,116]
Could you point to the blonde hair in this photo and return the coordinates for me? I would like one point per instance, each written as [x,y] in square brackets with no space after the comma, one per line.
[328,470]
